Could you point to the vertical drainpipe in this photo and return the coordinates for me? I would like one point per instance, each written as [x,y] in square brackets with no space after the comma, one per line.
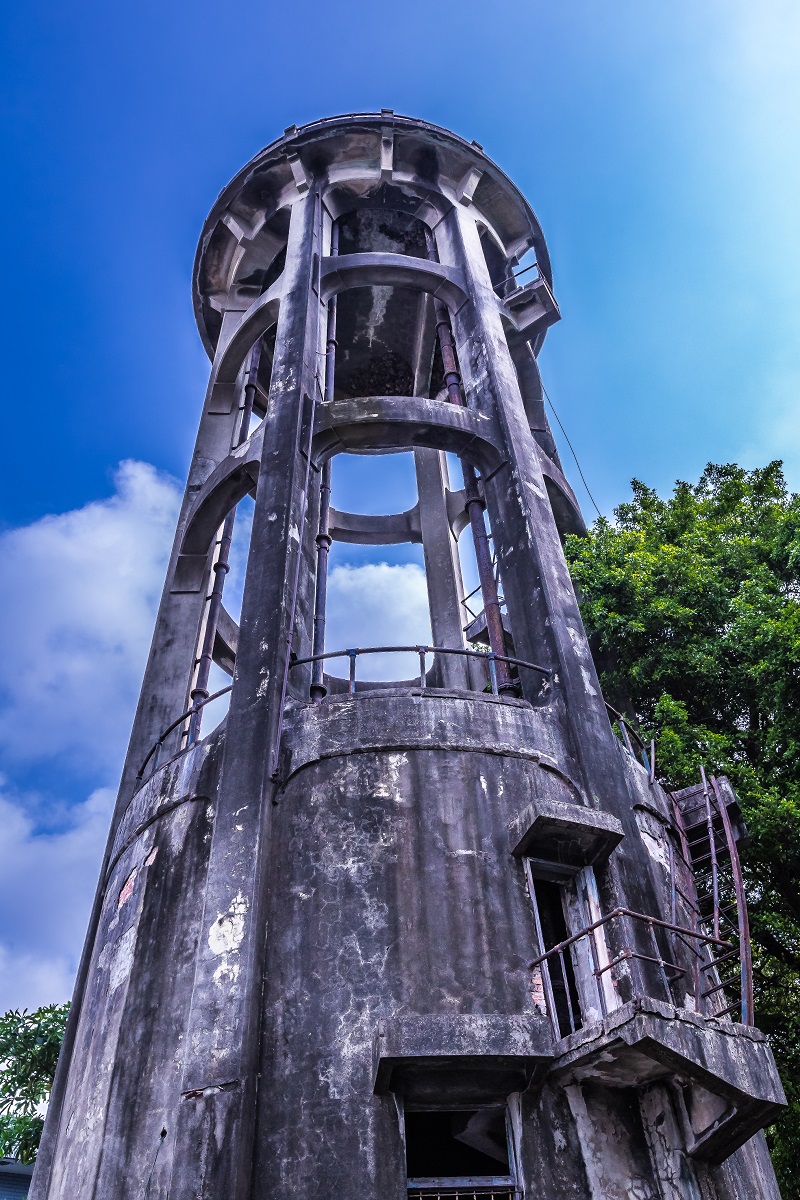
[222,565]
[474,503]
[318,689]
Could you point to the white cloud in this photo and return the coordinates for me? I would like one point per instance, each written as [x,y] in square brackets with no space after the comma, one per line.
[76,618]
[46,889]
[378,605]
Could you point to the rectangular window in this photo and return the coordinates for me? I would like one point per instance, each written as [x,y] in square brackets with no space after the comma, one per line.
[546,885]
[458,1154]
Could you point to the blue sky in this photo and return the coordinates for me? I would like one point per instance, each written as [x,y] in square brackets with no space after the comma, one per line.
[659,146]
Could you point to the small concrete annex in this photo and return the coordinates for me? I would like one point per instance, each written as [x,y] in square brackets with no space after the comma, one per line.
[446,936]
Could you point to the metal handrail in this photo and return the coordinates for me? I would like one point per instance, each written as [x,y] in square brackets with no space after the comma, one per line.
[156,746]
[484,655]
[629,912]
[628,731]
[682,931]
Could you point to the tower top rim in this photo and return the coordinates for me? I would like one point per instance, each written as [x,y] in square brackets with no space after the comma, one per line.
[316,141]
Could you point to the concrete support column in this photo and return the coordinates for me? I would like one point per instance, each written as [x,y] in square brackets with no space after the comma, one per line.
[543,611]
[216,1110]
[442,566]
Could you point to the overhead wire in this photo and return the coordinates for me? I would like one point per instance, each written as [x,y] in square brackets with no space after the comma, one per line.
[572,448]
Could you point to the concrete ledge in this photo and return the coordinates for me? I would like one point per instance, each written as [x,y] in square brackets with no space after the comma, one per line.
[403,422]
[392,270]
[562,832]
[415,720]
[460,1058]
[732,1084]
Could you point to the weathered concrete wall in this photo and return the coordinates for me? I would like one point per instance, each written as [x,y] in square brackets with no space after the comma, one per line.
[393,893]
[125,1088]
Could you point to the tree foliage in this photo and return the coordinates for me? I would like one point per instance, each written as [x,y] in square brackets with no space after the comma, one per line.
[693,605]
[29,1046]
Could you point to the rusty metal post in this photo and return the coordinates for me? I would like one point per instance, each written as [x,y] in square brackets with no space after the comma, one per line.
[483,557]
[221,567]
[250,389]
[474,501]
[318,689]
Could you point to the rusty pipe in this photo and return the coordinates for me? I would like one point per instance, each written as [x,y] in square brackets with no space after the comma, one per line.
[474,501]
[250,389]
[318,689]
[222,565]
[483,558]
[330,341]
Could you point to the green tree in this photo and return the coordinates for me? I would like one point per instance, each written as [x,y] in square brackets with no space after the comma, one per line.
[29,1046]
[693,606]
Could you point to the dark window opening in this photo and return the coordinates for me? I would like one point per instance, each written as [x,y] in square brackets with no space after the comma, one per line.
[378,336]
[264,277]
[381,228]
[457,1145]
[552,930]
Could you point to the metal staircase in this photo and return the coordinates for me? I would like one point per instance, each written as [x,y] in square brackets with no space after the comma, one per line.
[710,829]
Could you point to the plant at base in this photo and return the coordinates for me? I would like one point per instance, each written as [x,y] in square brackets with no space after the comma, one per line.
[29,1047]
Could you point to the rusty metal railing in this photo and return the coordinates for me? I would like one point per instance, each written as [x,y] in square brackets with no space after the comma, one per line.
[472,1191]
[601,962]
[190,713]
[630,737]
[488,656]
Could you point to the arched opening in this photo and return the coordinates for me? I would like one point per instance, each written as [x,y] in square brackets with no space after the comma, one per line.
[219,631]
[385,334]
[377,590]
[383,221]
[385,344]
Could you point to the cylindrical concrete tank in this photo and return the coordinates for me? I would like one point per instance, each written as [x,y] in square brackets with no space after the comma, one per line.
[444,935]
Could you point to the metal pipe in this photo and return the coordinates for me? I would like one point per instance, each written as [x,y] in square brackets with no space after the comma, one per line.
[330,343]
[483,557]
[155,749]
[318,689]
[222,565]
[220,569]
[474,503]
[452,375]
[250,389]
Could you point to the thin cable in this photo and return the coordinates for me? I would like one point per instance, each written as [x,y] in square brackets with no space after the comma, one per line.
[153,1167]
[574,455]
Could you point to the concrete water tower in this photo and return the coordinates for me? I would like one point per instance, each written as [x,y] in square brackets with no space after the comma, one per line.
[444,936]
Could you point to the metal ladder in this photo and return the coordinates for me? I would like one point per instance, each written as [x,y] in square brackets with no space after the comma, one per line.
[724,981]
